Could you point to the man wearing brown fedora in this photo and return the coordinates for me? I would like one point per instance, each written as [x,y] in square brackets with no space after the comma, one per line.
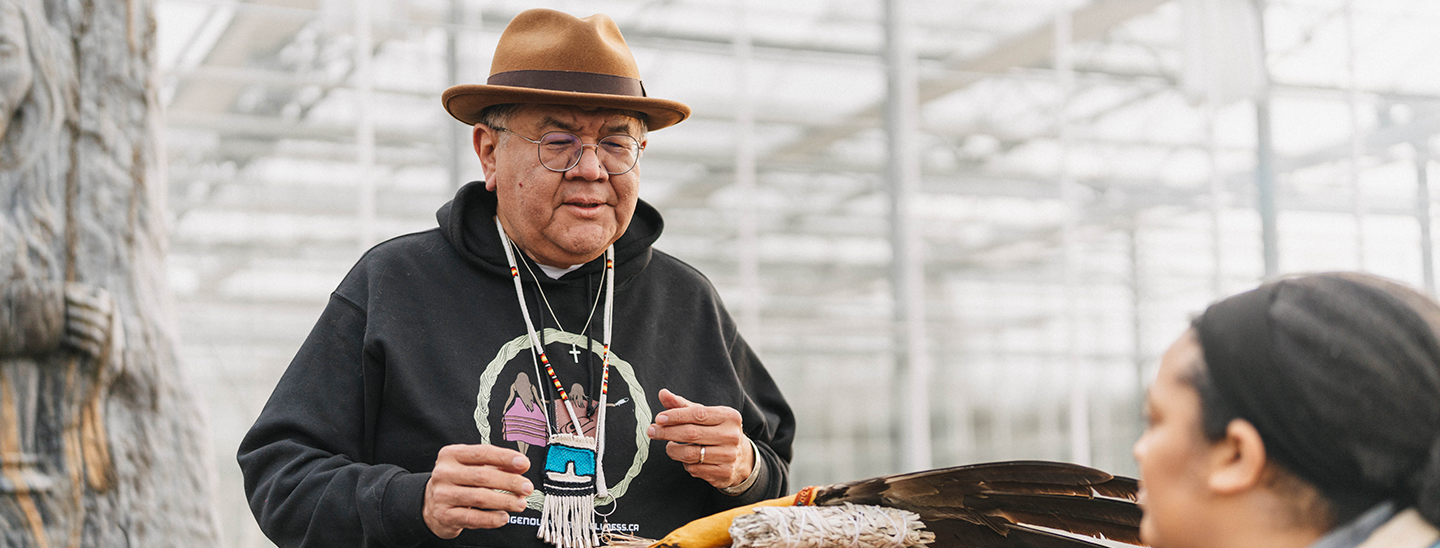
[514,377]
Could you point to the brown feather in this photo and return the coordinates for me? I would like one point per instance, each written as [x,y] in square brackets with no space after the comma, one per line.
[965,480]
[1120,487]
[960,534]
[1128,534]
[1100,518]
[999,487]
[991,499]
[1120,512]
[1010,471]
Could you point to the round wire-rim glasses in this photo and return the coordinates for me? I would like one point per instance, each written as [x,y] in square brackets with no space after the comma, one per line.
[560,151]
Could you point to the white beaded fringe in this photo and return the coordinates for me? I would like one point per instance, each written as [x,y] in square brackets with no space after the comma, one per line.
[850,525]
[569,522]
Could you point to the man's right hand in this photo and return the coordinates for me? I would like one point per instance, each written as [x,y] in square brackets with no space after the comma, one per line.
[473,487]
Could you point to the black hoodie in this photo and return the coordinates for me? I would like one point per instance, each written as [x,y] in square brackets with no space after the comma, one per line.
[423,345]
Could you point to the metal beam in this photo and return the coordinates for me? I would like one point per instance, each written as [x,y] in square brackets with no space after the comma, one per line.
[248,33]
[1091,22]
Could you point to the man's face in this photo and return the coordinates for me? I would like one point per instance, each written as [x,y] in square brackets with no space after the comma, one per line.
[1172,455]
[559,219]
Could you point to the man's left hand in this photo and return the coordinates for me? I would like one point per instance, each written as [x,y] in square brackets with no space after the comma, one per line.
[704,433]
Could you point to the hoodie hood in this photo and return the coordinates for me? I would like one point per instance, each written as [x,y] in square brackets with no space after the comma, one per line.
[467,221]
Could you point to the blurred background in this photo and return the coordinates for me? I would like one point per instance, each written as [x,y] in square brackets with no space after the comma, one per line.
[955,230]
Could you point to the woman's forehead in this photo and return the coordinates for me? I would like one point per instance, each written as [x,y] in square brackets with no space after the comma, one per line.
[1180,360]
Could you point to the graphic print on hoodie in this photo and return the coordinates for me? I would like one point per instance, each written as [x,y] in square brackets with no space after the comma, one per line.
[508,389]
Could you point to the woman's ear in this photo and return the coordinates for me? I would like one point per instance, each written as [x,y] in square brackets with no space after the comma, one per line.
[1237,461]
[485,139]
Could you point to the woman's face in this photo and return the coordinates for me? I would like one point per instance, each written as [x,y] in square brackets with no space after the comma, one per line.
[16,74]
[1172,455]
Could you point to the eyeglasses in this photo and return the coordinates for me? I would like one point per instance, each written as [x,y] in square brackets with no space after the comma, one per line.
[560,151]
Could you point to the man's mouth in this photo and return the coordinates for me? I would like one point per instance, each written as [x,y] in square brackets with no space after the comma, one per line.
[586,209]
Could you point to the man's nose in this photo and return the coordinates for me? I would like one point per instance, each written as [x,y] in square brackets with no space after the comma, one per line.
[589,167]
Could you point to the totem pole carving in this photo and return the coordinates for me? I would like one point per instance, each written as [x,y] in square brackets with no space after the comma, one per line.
[102,443]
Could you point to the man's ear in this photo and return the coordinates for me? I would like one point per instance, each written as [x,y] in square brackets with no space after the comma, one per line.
[1237,461]
[485,139]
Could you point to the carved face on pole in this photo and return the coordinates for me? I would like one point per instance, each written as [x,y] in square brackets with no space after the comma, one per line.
[16,71]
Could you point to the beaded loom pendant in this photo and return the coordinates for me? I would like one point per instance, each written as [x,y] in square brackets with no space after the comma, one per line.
[573,473]
[568,518]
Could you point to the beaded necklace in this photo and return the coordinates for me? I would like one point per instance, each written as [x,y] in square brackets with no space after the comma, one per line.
[574,352]
[573,472]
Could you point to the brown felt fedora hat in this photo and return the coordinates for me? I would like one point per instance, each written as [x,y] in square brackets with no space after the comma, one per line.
[552,57]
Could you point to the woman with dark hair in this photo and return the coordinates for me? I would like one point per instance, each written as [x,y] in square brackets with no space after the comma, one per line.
[1303,413]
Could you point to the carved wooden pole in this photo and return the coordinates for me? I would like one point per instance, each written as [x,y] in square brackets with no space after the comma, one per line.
[102,442]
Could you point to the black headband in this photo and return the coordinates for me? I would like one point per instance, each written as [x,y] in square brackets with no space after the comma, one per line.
[1237,339]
